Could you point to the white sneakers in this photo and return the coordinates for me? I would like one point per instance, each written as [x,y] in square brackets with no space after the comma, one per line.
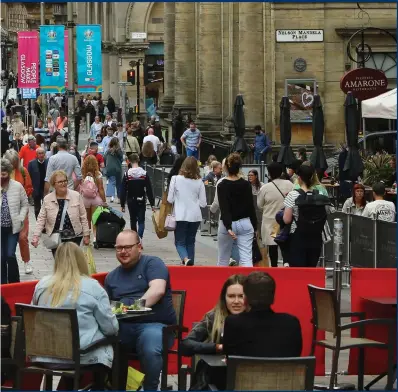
[28,268]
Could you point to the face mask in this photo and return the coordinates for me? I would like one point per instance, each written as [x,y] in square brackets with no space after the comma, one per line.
[257,132]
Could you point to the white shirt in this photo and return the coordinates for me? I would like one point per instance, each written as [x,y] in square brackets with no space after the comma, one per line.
[59,101]
[188,196]
[384,209]
[154,140]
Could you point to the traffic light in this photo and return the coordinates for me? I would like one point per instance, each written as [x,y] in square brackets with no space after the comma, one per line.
[131,76]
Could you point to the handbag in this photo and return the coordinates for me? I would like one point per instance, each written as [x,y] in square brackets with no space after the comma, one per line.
[165,210]
[256,253]
[170,223]
[52,241]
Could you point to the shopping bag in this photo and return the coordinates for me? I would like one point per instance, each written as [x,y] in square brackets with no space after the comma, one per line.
[88,251]
[134,379]
[155,219]
[165,210]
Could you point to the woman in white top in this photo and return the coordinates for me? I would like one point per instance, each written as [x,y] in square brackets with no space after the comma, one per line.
[270,200]
[187,192]
[356,204]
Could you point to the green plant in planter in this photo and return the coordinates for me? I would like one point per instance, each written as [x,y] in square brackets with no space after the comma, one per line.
[377,168]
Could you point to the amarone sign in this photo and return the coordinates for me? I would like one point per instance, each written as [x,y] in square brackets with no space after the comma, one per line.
[364,83]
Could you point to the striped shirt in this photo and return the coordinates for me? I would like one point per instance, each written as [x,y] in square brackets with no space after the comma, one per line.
[45,132]
[192,138]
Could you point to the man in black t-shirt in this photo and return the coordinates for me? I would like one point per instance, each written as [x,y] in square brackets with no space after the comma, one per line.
[142,277]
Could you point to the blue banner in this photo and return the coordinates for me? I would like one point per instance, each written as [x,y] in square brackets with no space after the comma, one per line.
[52,72]
[89,58]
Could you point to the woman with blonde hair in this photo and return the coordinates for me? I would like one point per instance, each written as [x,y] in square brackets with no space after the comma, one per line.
[208,168]
[148,154]
[188,194]
[206,336]
[70,286]
[62,212]
[92,188]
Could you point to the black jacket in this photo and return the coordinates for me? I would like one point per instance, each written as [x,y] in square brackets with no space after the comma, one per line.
[262,333]
[34,172]
[136,185]
[197,341]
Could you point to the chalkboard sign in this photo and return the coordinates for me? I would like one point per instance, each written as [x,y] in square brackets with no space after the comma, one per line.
[386,246]
[329,255]
[362,242]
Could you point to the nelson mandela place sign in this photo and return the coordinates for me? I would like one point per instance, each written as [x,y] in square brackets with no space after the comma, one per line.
[364,83]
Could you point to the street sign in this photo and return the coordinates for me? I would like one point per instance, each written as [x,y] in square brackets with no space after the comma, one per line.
[29,93]
[301,35]
[138,35]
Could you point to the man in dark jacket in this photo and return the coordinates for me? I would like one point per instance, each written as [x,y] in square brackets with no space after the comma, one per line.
[111,105]
[261,332]
[37,169]
[135,188]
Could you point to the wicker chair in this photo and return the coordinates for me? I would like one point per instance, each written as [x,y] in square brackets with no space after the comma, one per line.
[49,332]
[270,374]
[11,363]
[326,317]
[178,298]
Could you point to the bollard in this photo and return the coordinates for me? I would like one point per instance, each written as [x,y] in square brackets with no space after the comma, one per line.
[346,270]
[322,257]
[374,240]
[88,125]
[338,253]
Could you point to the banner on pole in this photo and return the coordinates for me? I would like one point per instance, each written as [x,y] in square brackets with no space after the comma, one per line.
[66,57]
[52,64]
[28,59]
[88,47]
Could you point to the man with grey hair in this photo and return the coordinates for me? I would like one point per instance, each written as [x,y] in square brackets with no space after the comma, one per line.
[66,162]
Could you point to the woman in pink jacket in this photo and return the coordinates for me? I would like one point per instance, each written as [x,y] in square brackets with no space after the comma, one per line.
[75,224]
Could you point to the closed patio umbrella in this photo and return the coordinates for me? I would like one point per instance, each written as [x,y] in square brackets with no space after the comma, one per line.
[240,144]
[318,158]
[286,155]
[353,164]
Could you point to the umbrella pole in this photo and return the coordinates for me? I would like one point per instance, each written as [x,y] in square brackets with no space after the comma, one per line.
[364,133]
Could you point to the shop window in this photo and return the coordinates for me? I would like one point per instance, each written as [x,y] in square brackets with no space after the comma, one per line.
[383,61]
[301,96]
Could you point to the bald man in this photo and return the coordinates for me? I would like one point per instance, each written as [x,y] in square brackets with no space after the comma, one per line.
[37,169]
[153,139]
[141,277]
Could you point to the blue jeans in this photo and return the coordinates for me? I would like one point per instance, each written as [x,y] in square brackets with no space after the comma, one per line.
[244,232]
[192,153]
[235,252]
[185,236]
[137,214]
[113,186]
[259,157]
[146,340]
[9,263]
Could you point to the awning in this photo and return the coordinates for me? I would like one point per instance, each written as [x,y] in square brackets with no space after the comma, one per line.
[382,106]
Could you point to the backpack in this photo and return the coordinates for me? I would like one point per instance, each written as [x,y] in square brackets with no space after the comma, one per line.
[88,189]
[312,214]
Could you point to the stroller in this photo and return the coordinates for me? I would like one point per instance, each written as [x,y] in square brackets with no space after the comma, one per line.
[110,223]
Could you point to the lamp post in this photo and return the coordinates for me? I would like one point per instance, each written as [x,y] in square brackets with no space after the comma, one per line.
[71,73]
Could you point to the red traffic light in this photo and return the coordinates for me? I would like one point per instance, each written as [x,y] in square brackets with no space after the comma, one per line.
[131,76]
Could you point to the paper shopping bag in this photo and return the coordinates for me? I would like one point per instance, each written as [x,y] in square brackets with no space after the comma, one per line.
[88,251]
[164,211]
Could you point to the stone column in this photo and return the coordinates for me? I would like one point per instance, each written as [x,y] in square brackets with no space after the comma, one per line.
[210,66]
[88,13]
[96,13]
[251,61]
[185,57]
[169,37]
[105,52]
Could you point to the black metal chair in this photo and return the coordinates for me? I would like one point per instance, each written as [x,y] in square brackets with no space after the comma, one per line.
[326,316]
[54,333]
[270,374]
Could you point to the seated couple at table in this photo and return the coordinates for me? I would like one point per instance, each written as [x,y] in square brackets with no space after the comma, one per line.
[138,276]
[243,323]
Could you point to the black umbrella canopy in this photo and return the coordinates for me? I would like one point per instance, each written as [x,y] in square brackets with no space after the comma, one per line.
[353,164]
[240,144]
[239,116]
[286,155]
[318,158]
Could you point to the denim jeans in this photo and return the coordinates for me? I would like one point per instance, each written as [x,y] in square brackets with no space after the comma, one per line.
[235,252]
[9,263]
[137,214]
[192,153]
[113,186]
[146,340]
[244,232]
[185,236]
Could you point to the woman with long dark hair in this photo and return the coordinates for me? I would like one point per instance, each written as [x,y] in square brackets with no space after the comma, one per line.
[254,181]
[356,204]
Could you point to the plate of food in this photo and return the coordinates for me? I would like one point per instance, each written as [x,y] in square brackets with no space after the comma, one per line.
[134,308]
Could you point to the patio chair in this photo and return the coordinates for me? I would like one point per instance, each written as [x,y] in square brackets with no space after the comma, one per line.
[54,332]
[326,316]
[178,298]
[270,374]
[10,364]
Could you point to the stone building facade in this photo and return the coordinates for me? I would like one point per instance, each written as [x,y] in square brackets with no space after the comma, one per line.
[214,51]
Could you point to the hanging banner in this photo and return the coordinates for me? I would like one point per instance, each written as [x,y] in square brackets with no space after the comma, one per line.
[89,63]
[28,59]
[52,72]
[66,57]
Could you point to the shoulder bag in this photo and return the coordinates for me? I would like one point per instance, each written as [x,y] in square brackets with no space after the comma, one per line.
[52,241]
[170,223]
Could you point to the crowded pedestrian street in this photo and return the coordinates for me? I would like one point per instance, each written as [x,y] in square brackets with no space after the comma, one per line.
[195,196]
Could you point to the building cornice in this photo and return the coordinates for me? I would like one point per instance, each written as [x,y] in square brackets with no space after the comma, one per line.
[348,32]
